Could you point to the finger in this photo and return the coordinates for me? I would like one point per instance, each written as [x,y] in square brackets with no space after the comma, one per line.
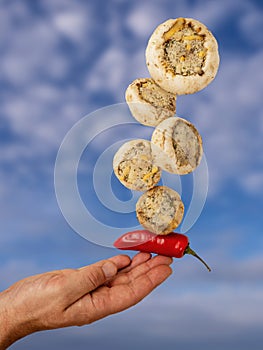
[88,278]
[137,260]
[121,261]
[141,269]
[105,301]
[123,296]
[126,295]
[161,260]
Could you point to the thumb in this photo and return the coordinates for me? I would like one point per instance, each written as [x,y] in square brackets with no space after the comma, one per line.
[96,274]
[88,278]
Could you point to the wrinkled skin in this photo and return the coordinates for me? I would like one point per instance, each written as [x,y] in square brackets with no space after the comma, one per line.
[75,297]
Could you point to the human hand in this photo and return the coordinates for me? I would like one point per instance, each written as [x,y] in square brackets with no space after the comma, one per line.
[74,297]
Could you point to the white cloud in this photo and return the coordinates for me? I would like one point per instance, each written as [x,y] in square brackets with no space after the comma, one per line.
[108,71]
[225,270]
[214,14]
[37,111]
[230,309]
[30,52]
[253,181]
[229,114]
[143,19]
[227,318]
[114,70]
[73,25]
[52,6]
[250,25]
[40,116]
[15,270]
[221,111]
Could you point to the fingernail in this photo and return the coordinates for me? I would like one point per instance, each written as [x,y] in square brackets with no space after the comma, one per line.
[109,269]
[171,261]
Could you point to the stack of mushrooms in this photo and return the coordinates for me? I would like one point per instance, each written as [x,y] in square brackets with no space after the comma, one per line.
[182,58]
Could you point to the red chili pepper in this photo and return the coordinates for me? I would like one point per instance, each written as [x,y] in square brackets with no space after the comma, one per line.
[174,245]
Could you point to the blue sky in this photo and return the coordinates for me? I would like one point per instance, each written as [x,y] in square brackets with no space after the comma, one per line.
[61,60]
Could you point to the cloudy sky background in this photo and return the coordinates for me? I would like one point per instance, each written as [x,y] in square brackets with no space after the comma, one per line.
[61,60]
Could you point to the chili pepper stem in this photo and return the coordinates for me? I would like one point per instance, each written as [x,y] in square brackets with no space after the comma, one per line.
[188,250]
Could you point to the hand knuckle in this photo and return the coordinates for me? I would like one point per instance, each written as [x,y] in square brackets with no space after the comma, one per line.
[94,277]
